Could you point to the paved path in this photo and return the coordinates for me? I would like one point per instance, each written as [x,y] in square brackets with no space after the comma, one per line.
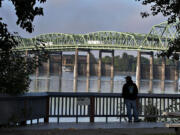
[97,125]
[140,128]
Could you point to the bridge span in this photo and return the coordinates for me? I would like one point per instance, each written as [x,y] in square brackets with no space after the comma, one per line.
[107,41]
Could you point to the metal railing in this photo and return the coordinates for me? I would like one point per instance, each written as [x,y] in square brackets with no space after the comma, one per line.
[109,105]
[62,105]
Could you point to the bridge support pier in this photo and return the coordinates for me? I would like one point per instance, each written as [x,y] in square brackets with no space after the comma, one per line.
[48,74]
[75,71]
[88,70]
[112,72]
[37,75]
[138,70]
[26,55]
[60,72]
[176,75]
[151,72]
[163,74]
[99,71]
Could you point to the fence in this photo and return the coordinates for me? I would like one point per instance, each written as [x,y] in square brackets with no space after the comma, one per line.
[58,105]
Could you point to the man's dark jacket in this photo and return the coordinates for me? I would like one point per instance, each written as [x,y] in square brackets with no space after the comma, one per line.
[129,91]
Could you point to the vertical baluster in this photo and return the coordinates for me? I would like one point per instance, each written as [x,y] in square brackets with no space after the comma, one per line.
[172,105]
[74,106]
[176,103]
[50,105]
[58,109]
[152,102]
[164,107]
[62,105]
[124,109]
[38,121]
[117,106]
[140,105]
[114,106]
[84,109]
[99,106]
[144,106]
[66,107]
[69,106]
[54,105]
[160,106]
[96,105]
[168,104]
[110,105]
[157,105]
[77,113]
[80,110]
[179,104]
[103,105]
[106,107]
[120,108]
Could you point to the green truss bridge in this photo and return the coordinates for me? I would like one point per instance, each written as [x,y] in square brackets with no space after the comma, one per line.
[156,40]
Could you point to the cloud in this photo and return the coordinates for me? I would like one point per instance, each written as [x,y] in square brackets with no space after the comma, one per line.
[82,16]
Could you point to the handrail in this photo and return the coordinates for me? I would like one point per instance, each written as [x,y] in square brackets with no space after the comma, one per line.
[85,94]
[66,104]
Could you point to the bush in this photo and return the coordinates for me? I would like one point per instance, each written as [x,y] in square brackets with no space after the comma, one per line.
[151,113]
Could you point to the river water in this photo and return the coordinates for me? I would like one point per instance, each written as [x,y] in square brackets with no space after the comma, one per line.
[39,84]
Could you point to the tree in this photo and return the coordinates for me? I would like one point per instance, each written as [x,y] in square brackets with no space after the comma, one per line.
[14,67]
[171,10]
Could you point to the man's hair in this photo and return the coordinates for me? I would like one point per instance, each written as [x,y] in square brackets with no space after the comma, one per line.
[128,78]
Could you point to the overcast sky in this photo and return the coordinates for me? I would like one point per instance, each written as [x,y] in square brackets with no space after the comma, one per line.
[83,16]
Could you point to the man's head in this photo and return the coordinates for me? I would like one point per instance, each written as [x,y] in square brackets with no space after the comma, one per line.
[128,79]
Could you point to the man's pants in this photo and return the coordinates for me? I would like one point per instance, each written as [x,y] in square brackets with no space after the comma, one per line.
[131,104]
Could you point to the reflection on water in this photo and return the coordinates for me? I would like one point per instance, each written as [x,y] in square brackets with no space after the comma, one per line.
[54,83]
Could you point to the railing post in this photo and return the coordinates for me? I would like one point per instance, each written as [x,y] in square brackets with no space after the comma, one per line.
[92,109]
[23,123]
[46,119]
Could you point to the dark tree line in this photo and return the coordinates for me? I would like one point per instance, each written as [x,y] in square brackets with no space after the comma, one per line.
[127,63]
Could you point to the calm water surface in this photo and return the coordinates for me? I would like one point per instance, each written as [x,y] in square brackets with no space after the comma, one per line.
[52,83]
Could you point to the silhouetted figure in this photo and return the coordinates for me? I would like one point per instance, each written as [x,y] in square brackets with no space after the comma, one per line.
[129,93]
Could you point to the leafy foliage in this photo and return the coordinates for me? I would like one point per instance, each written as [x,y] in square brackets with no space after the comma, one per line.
[15,68]
[151,112]
[168,8]
[171,10]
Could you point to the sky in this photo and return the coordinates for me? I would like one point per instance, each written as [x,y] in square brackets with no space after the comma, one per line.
[84,16]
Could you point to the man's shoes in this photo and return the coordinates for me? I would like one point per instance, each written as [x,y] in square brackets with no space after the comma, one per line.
[130,121]
[139,120]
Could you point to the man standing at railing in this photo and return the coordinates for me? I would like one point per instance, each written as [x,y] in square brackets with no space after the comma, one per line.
[129,93]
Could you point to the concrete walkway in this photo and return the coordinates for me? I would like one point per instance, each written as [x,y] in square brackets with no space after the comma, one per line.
[141,128]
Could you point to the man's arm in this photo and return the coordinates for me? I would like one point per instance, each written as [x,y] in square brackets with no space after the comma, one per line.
[136,89]
[123,91]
